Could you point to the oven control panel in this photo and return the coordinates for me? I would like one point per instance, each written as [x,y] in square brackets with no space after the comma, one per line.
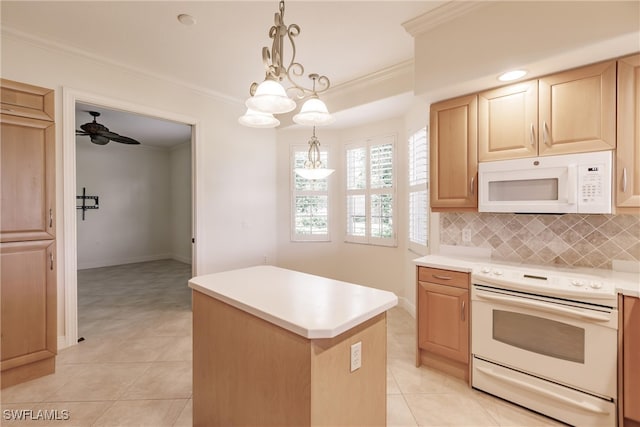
[545,283]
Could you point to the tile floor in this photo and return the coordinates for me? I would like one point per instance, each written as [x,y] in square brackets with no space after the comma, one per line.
[134,366]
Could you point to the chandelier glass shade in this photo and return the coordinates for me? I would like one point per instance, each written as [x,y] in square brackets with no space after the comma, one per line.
[272,96]
[314,112]
[258,119]
[313,167]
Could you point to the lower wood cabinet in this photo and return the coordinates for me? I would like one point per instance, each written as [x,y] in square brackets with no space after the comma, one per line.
[631,361]
[28,288]
[443,320]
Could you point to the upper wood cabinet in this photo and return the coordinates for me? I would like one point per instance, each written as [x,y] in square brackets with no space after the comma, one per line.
[21,99]
[27,156]
[569,112]
[454,154]
[577,110]
[628,149]
[508,122]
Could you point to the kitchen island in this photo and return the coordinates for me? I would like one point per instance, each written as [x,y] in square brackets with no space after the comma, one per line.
[274,347]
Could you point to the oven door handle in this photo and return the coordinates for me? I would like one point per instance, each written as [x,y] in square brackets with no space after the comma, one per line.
[541,391]
[544,307]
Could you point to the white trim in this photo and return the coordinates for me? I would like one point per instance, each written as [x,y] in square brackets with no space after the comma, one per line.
[404,303]
[122,261]
[440,15]
[69,280]
[180,258]
[59,47]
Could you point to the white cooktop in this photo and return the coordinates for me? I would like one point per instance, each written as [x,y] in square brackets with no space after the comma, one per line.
[311,306]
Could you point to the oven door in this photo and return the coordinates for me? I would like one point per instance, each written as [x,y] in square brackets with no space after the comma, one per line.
[556,340]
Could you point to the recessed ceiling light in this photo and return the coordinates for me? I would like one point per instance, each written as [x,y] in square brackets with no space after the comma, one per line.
[511,75]
[186,19]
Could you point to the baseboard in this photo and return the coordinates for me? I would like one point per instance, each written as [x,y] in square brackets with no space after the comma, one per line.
[407,305]
[121,261]
[180,258]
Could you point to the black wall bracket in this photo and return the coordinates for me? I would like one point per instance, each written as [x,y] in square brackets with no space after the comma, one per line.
[84,199]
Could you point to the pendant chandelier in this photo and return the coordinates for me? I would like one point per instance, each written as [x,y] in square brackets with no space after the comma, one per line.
[271,97]
[313,167]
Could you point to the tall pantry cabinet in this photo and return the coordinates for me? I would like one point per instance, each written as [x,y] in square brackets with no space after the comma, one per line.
[27,233]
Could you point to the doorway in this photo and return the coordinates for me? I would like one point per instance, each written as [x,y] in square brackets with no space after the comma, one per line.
[80,255]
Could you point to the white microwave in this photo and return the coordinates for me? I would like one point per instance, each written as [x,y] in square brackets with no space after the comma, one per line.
[570,183]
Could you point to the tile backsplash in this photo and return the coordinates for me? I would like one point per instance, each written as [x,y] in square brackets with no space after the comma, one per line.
[573,240]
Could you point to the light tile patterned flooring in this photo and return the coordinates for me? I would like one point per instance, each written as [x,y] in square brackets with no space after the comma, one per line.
[134,367]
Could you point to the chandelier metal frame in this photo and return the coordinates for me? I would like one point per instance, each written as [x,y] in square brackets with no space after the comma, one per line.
[273,61]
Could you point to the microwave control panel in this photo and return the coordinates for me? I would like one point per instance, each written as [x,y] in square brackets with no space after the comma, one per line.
[594,187]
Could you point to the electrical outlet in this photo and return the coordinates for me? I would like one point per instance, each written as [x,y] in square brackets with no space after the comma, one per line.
[356,356]
[466,235]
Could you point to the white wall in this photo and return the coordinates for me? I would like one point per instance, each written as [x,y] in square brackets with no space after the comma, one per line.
[376,266]
[145,203]
[133,222]
[181,202]
[235,175]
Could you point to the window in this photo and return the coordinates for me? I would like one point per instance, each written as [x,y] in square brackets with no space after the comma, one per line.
[310,201]
[418,191]
[371,192]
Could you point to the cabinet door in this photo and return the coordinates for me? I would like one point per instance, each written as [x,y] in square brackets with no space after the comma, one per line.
[454,153]
[508,122]
[628,150]
[577,110]
[21,99]
[631,358]
[27,156]
[28,302]
[443,326]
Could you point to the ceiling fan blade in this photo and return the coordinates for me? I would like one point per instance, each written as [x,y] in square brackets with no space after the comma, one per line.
[79,132]
[100,140]
[124,140]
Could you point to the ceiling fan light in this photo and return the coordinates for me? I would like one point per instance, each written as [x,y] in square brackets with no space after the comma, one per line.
[314,112]
[314,173]
[258,119]
[271,97]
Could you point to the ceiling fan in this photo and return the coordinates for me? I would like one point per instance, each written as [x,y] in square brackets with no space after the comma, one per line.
[100,134]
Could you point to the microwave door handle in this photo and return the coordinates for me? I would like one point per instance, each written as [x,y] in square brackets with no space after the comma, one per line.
[572,185]
[586,406]
[520,302]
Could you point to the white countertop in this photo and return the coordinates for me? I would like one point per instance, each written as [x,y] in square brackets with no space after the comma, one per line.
[626,283]
[311,306]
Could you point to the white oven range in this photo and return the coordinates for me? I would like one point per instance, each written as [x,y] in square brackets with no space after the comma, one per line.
[547,340]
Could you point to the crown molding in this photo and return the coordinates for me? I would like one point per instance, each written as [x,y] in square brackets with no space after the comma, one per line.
[441,15]
[394,72]
[69,50]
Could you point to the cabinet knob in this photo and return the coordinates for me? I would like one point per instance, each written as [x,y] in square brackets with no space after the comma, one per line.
[462,312]
[532,135]
[624,180]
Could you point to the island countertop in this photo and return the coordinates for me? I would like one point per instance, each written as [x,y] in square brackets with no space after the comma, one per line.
[311,306]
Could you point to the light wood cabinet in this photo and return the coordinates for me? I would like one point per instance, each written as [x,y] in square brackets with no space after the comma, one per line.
[508,122]
[27,156]
[454,154]
[443,320]
[577,110]
[631,361]
[569,112]
[627,187]
[27,233]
